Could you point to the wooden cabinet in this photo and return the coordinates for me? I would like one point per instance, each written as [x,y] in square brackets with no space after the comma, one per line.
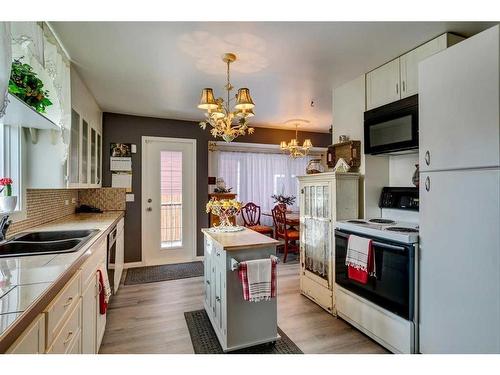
[100,318]
[398,78]
[324,198]
[85,153]
[89,317]
[214,219]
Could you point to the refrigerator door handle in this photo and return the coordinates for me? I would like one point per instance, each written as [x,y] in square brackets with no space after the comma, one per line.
[427,157]
[427,183]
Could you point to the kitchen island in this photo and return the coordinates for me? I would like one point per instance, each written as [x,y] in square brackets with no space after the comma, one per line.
[237,323]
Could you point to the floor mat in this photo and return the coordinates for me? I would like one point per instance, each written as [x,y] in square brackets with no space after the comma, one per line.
[205,340]
[165,272]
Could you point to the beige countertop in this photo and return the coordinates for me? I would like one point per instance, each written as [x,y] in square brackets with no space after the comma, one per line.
[26,282]
[245,239]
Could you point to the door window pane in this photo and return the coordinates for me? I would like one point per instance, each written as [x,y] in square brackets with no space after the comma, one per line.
[171,198]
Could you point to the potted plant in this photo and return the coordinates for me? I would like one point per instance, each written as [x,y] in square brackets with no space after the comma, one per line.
[225,209]
[25,84]
[7,201]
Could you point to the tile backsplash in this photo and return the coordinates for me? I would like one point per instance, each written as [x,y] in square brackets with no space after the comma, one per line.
[106,199]
[45,205]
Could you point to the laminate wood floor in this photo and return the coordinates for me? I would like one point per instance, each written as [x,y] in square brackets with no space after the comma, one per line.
[149,318]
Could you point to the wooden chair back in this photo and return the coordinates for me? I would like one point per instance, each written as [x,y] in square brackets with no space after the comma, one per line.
[279,218]
[250,214]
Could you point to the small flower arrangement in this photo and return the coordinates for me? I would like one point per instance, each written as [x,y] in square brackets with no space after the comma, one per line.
[6,184]
[283,199]
[225,209]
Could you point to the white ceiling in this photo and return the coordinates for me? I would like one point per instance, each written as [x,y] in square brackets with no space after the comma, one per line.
[158,68]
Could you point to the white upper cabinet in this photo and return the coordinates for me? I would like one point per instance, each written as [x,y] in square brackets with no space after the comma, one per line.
[382,85]
[398,78]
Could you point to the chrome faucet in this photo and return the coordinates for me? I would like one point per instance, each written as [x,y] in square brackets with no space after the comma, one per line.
[4,225]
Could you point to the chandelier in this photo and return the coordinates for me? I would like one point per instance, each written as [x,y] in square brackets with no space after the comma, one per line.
[218,113]
[293,147]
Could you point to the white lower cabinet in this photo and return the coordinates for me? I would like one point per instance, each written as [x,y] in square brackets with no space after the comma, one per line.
[32,341]
[71,323]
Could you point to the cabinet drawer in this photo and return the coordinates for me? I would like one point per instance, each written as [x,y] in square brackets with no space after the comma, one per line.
[90,266]
[318,293]
[59,309]
[32,341]
[70,332]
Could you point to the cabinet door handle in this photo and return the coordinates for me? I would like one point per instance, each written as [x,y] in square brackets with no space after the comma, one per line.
[427,183]
[68,302]
[217,299]
[427,157]
[208,282]
[397,88]
[403,86]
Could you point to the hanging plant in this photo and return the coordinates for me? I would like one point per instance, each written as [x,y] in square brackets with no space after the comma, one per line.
[25,84]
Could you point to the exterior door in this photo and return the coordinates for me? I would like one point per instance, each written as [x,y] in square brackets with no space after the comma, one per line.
[168,200]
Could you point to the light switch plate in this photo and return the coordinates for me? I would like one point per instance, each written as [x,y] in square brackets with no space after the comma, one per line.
[133,149]
[129,197]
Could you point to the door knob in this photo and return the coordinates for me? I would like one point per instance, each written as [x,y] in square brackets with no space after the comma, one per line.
[427,157]
[150,200]
[149,209]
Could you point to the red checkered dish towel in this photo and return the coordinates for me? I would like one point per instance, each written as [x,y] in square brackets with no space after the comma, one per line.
[258,279]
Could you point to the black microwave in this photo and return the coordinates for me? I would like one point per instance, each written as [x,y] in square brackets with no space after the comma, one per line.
[392,128]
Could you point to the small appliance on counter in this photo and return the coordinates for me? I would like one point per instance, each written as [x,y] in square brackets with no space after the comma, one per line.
[84,208]
[386,307]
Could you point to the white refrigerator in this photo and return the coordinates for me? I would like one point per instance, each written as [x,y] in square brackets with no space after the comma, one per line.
[459,148]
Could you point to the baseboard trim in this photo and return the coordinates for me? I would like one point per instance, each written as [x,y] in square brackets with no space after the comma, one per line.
[133,265]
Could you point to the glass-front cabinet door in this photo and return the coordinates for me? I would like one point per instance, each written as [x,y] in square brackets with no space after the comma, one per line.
[93,156]
[84,170]
[99,159]
[316,230]
[74,149]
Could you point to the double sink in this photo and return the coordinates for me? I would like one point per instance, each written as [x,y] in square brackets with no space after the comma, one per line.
[39,243]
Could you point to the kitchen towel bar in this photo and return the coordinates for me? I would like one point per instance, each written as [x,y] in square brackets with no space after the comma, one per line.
[235,265]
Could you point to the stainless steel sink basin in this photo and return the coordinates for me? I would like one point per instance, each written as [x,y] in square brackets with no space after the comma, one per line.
[53,235]
[52,242]
[15,249]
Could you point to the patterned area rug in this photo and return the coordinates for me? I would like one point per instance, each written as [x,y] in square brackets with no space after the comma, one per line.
[205,340]
[152,274]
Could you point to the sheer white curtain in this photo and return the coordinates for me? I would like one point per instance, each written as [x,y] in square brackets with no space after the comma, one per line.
[257,176]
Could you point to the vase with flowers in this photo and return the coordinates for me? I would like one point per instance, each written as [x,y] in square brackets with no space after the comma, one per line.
[7,201]
[225,209]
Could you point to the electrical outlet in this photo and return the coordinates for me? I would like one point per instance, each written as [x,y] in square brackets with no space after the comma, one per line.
[66,202]
[73,200]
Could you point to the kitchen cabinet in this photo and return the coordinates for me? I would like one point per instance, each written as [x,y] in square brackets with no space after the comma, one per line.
[32,341]
[383,85]
[100,318]
[89,317]
[398,78]
[236,322]
[85,153]
[324,198]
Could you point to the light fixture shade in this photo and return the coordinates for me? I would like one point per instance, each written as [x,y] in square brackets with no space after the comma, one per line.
[307,143]
[294,142]
[244,100]
[283,145]
[245,113]
[207,100]
[217,113]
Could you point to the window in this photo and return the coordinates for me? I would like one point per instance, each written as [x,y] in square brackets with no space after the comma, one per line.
[257,176]
[171,199]
[11,159]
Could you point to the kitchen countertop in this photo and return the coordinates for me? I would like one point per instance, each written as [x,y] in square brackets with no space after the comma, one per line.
[26,282]
[241,240]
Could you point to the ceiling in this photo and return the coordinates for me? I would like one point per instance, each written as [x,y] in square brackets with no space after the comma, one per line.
[158,68]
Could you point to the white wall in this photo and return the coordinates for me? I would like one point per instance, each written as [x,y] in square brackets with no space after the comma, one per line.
[348,118]
[83,102]
[401,168]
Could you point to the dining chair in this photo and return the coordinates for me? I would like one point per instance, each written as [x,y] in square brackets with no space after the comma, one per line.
[290,236]
[250,213]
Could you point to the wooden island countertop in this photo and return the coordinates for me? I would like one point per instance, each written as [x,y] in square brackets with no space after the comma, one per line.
[241,240]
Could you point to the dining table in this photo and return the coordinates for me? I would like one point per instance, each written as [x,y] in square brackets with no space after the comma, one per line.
[292,217]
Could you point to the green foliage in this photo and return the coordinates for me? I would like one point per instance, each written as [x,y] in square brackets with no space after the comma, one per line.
[27,86]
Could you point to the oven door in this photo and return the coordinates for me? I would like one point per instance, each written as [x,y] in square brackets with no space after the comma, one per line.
[392,128]
[393,287]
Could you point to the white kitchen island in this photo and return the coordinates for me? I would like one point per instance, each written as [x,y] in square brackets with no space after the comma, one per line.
[237,323]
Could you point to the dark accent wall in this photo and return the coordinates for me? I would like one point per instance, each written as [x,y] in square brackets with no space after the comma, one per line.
[119,128]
